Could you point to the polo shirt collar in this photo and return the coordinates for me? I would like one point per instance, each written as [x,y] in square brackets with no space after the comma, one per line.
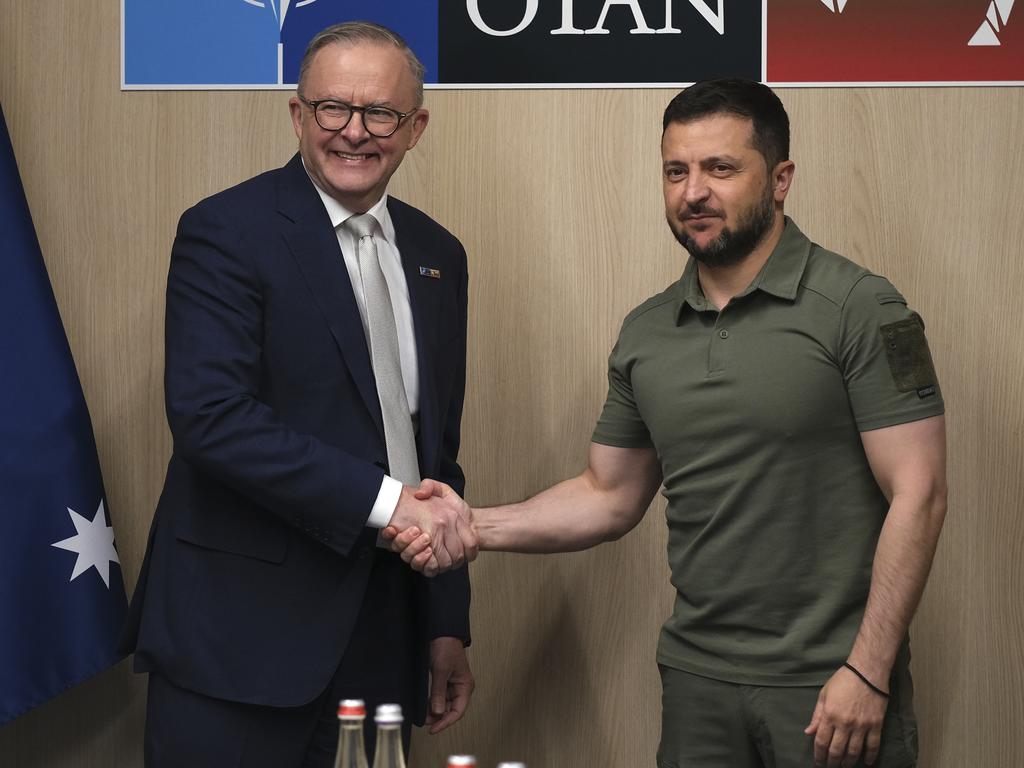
[780,276]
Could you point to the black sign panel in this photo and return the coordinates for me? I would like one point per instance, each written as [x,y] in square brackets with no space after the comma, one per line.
[598,41]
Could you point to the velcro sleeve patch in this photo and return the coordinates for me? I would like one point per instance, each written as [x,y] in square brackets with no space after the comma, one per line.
[895,297]
[910,360]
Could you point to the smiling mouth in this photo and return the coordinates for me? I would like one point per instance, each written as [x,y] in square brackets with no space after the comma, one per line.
[351,156]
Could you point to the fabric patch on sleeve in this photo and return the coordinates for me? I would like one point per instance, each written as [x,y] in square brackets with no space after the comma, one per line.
[910,360]
[892,297]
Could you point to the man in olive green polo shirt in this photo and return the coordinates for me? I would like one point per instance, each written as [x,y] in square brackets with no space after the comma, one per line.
[786,399]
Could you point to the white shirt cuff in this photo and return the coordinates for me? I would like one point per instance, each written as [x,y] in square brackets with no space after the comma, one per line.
[386,503]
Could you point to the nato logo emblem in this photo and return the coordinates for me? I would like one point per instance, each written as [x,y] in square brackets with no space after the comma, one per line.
[279,15]
[250,43]
[996,18]
[199,43]
[285,4]
[836,6]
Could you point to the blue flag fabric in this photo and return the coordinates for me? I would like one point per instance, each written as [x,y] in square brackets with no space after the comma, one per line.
[62,599]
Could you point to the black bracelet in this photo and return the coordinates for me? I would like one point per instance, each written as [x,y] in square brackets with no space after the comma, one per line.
[864,680]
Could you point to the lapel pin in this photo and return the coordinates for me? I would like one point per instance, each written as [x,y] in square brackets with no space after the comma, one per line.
[430,272]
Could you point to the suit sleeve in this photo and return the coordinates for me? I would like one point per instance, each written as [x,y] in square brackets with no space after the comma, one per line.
[450,592]
[213,378]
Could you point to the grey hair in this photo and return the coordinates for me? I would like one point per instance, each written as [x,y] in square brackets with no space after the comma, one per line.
[354,32]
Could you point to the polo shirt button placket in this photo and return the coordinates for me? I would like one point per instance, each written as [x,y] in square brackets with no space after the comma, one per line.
[716,355]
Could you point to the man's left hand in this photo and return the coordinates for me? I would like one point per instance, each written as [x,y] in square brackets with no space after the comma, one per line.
[846,722]
[451,683]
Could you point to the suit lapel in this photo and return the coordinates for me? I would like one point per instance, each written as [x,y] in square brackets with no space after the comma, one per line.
[314,245]
[423,320]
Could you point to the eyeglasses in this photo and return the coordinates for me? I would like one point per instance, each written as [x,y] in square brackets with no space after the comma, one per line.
[334,115]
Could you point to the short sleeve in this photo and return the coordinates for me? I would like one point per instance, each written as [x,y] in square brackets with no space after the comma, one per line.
[886,363]
[620,424]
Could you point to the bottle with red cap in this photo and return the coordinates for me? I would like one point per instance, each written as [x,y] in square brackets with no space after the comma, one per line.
[460,761]
[351,747]
[389,737]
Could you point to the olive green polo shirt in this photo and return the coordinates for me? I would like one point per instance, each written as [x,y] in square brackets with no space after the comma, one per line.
[756,413]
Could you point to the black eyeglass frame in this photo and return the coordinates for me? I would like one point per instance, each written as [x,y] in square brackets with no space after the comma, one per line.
[314,105]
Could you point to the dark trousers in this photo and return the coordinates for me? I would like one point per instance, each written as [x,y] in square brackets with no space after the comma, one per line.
[714,724]
[186,729]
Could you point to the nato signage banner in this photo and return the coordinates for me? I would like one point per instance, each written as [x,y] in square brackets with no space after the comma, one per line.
[197,44]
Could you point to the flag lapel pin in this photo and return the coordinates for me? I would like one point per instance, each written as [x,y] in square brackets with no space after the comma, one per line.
[430,272]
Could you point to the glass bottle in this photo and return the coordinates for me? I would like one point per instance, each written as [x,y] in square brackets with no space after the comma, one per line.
[351,746]
[461,761]
[389,737]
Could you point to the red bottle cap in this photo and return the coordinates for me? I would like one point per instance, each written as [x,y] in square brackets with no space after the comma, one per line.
[351,709]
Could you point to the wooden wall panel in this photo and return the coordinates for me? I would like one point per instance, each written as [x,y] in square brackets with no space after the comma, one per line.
[556,195]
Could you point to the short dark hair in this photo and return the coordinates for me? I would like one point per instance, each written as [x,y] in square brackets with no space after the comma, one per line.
[742,98]
[355,32]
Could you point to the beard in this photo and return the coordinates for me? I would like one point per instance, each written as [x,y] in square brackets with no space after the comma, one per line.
[733,245]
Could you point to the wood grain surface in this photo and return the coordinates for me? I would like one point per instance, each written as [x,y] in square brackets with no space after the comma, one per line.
[556,195]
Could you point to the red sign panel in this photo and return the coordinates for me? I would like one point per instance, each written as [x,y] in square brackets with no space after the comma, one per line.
[891,41]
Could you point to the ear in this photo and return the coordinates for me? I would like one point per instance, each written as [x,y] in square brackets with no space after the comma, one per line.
[782,179]
[419,125]
[295,108]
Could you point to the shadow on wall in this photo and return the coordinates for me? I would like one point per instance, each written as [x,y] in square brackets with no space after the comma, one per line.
[108,709]
[547,697]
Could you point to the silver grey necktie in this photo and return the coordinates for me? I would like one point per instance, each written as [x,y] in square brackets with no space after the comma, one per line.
[387,367]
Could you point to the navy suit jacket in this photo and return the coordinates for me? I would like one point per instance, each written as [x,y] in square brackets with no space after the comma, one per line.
[258,555]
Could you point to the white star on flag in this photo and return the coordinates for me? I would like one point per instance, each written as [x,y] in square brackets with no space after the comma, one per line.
[94,545]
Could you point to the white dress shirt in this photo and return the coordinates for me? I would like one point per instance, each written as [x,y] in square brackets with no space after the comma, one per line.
[391,266]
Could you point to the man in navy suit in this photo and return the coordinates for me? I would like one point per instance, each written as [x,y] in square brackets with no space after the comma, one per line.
[264,596]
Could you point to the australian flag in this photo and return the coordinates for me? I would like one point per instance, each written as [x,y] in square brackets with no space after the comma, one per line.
[62,599]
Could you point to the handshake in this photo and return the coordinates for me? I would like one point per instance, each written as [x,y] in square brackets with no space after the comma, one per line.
[432,529]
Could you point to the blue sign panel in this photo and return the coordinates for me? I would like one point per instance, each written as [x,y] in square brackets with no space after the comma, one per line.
[225,43]
[198,42]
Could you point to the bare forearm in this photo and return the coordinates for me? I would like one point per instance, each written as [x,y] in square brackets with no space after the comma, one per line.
[603,503]
[570,516]
[903,560]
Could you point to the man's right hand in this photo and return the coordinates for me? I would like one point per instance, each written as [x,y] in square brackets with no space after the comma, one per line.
[432,529]
[602,503]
